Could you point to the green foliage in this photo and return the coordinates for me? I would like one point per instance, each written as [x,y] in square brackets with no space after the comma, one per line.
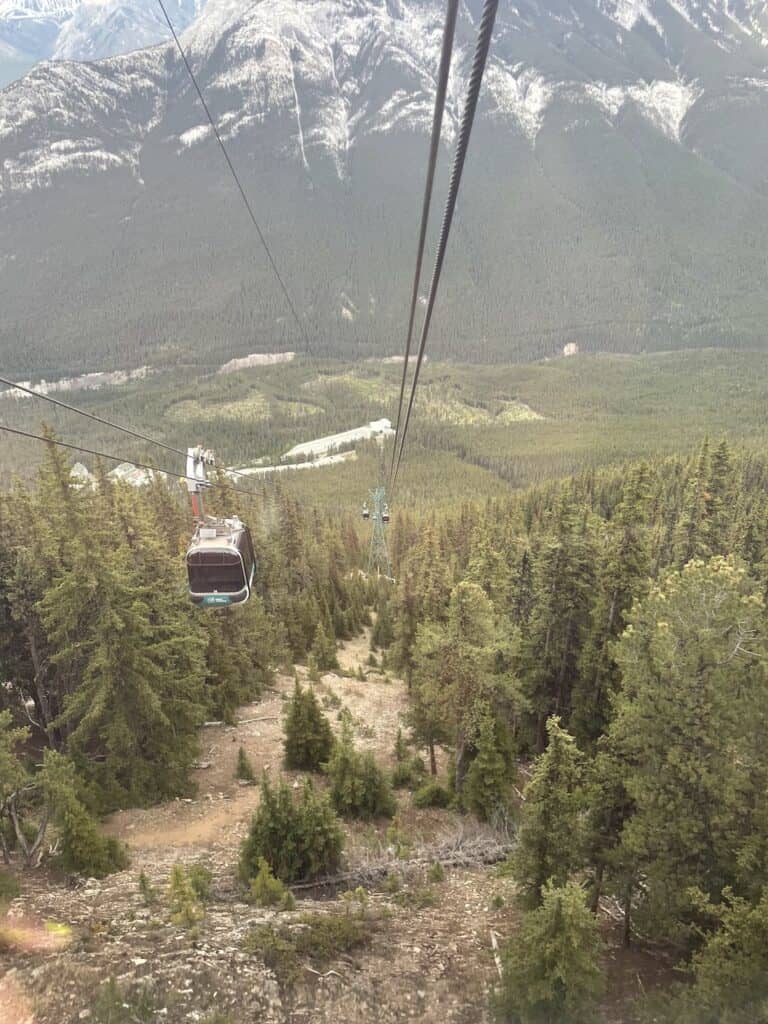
[552,972]
[147,890]
[319,938]
[432,794]
[689,747]
[244,769]
[308,738]
[730,971]
[117,1004]
[487,783]
[436,872]
[200,879]
[268,891]
[409,774]
[84,850]
[9,889]
[324,650]
[184,904]
[299,840]
[453,679]
[550,845]
[358,786]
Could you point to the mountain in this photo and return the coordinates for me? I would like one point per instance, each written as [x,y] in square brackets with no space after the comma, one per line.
[615,195]
[34,30]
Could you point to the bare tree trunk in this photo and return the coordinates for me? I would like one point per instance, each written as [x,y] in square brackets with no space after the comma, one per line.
[462,764]
[627,936]
[432,759]
[4,847]
[597,891]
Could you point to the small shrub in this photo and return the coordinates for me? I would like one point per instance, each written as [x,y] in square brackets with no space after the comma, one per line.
[487,783]
[117,1005]
[324,650]
[372,660]
[409,774]
[552,964]
[416,899]
[359,788]
[244,769]
[268,891]
[308,738]
[297,839]
[318,937]
[432,794]
[498,902]
[183,903]
[398,840]
[360,675]
[200,879]
[147,890]
[392,883]
[436,872]
[9,889]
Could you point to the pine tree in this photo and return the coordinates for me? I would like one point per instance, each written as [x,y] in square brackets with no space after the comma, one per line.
[359,788]
[324,650]
[552,972]
[308,738]
[730,971]
[550,839]
[454,680]
[300,840]
[244,769]
[692,660]
[84,850]
[553,638]
[487,784]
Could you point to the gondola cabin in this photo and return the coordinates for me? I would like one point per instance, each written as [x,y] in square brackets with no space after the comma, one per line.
[385,514]
[221,564]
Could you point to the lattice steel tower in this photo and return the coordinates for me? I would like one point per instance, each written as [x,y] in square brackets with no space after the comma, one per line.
[378,556]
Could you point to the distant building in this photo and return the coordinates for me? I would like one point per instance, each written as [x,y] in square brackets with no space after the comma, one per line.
[571,349]
[326,445]
[127,473]
[257,359]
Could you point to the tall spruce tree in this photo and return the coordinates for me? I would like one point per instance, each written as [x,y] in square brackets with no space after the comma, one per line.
[552,972]
[308,741]
[692,660]
[550,842]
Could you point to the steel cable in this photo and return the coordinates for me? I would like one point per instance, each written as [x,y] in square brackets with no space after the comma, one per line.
[473,92]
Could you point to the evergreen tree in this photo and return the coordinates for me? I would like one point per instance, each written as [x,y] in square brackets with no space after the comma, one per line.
[299,840]
[244,768]
[359,788]
[553,638]
[84,850]
[324,650]
[550,838]
[454,681]
[487,784]
[730,971]
[552,972]
[308,738]
[692,660]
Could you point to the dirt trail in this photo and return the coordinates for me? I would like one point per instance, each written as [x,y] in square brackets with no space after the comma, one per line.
[222,807]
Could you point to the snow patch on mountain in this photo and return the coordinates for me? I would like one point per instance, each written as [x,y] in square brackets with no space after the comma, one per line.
[524,95]
[627,13]
[665,104]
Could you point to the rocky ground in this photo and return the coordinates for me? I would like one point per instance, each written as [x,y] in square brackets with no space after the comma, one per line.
[427,953]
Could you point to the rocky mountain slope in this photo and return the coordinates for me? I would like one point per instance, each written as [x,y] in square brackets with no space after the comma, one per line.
[34,30]
[615,194]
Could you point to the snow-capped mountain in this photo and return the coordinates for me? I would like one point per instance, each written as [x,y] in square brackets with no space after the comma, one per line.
[615,196]
[34,30]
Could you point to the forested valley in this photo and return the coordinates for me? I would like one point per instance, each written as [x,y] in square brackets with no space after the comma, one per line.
[584,665]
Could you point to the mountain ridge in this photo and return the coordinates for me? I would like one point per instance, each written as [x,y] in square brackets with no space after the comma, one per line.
[624,164]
